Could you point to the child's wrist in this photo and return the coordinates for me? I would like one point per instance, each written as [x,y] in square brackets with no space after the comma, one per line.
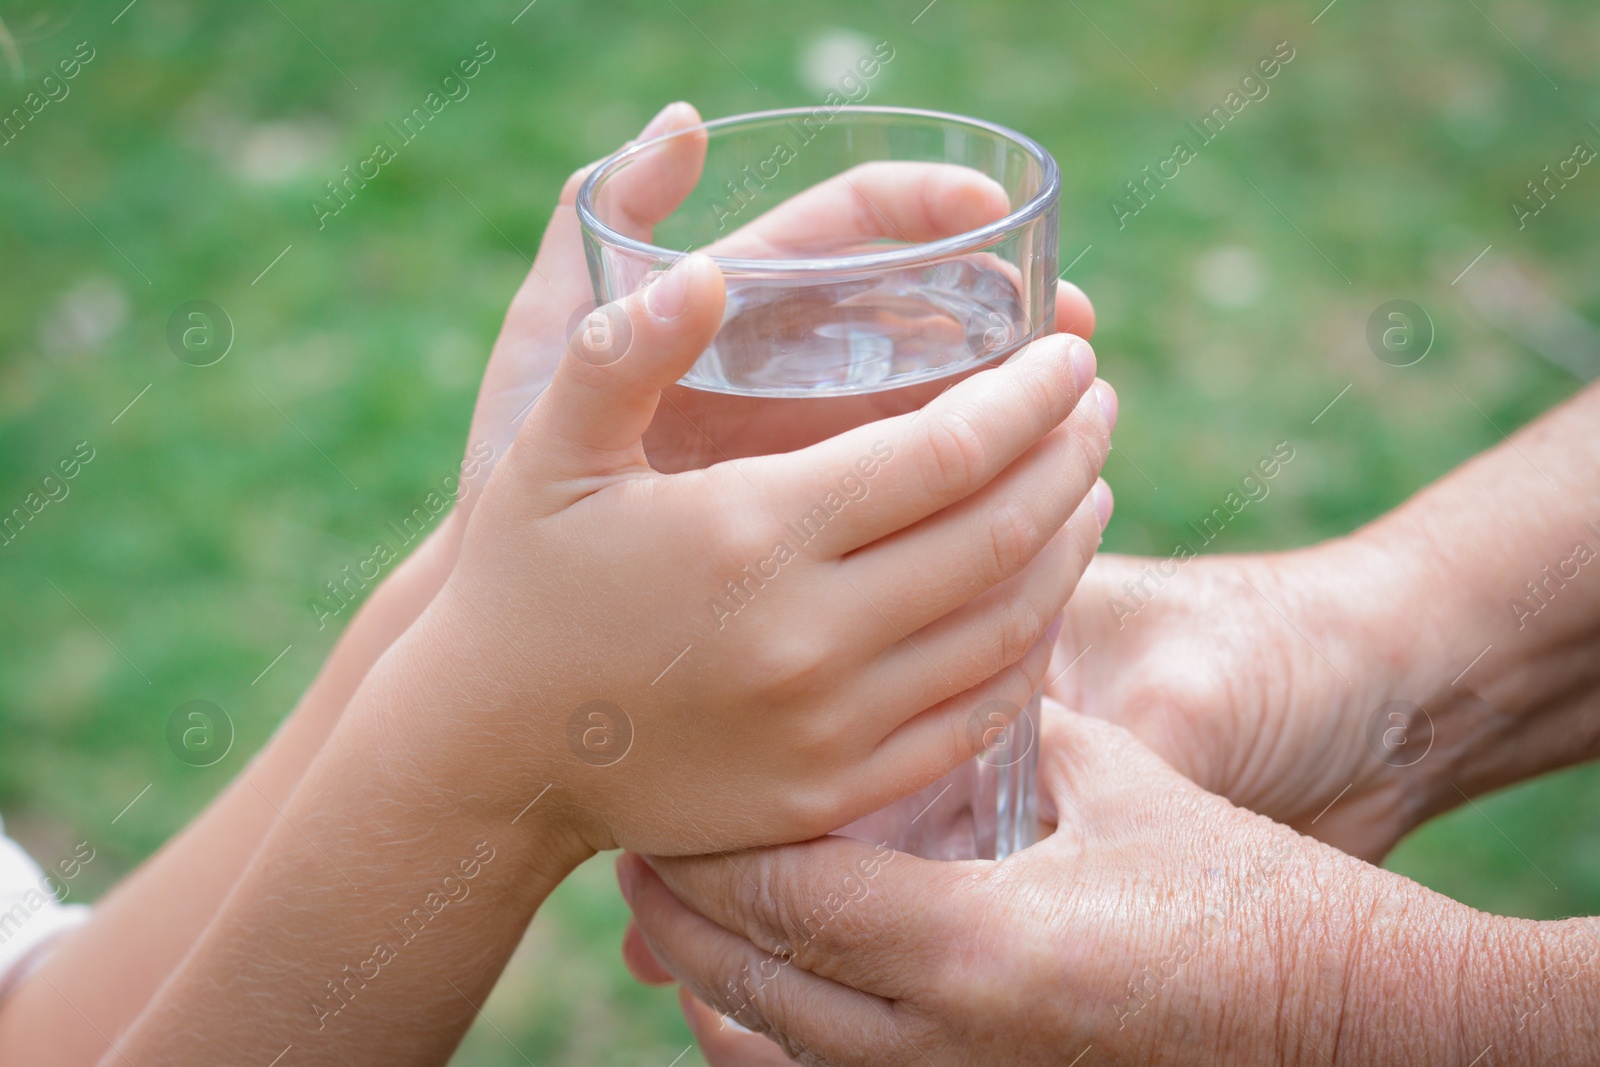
[479,756]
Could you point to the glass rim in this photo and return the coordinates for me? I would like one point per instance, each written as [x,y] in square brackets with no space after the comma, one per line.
[968,241]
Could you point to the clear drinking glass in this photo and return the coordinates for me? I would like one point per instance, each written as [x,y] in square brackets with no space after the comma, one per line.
[873,256]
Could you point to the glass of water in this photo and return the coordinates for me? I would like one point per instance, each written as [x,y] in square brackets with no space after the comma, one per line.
[874,256]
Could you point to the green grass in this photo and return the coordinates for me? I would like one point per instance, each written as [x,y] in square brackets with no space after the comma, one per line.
[1383,160]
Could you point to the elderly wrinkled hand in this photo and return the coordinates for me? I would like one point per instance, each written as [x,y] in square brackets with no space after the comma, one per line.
[1159,924]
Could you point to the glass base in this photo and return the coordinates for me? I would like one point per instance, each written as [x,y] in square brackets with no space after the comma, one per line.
[987,808]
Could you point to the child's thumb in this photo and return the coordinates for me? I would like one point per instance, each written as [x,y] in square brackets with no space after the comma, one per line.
[591,419]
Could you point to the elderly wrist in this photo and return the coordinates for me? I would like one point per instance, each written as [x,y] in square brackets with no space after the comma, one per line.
[1426,626]
[1380,978]
[1310,967]
[1425,979]
[1492,700]
[1540,985]
[1402,598]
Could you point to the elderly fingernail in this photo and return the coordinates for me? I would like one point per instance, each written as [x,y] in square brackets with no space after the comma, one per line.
[668,296]
[1083,364]
[1103,501]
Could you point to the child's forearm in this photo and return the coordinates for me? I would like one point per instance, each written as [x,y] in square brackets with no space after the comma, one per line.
[382,905]
[101,976]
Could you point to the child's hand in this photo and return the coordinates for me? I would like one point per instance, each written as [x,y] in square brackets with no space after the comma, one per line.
[909,201]
[576,645]
[556,290]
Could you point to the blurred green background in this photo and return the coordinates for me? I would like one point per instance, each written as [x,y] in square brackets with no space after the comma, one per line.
[1233,309]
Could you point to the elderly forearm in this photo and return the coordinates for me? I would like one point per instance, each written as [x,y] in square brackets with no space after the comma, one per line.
[1501,613]
[102,975]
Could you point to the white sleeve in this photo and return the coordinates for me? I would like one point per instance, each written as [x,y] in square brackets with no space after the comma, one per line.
[31,917]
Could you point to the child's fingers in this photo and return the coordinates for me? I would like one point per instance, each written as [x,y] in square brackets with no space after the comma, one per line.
[977,543]
[1074,312]
[656,180]
[555,288]
[927,460]
[893,200]
[589,422]
[951,732]
[647,192]
[994,631]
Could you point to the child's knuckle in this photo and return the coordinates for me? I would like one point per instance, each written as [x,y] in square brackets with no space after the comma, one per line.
[1020,627]
[791,664]
[954,452]
[1015,535]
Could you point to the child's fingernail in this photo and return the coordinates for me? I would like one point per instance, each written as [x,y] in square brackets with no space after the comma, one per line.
[1083,364]
[1053,631]
[1103,501]
[735,1025]
[659,124]
[1106,397]
[669,294]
